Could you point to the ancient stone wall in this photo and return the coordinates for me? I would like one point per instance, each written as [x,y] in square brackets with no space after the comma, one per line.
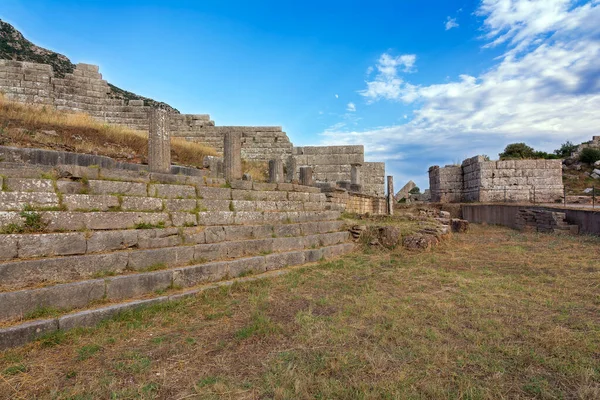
[84,90]
[373,180]
[479,180]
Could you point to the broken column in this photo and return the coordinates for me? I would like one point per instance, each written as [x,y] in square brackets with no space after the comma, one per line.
[306,176]
[390,196]
[355,178]
[291,169]
[276,171]
[159,141]
[232,155]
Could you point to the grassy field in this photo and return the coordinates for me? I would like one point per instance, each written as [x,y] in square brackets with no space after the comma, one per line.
[491,314]
[23,125]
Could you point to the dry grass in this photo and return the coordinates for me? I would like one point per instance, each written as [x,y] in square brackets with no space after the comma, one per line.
[259,170]
[23,125]
[492,314]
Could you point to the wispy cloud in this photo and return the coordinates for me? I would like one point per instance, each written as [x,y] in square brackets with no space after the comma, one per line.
[544,90]
[451,23]
[351,107]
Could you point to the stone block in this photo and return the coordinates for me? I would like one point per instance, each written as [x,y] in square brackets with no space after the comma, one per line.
[209,252]
[79,202]
[255,265]
[282,260]
[184,219]
[60,268]
[157,238]
[266,205]
[313,255]
[262,231]
[102,241]
[248,218]
[299,196]
[64,297]
[287,230]
[29,185]
[241,185]
[196,274]
[115,187]
[216,218]
[243,205]
[264,186]
[128,286]
[193,235]
[8,247]
[124,220]
[288,243]
[172,191]
[19,335]
[238,232]
[287,187]
[337,250]
[64,221]
[50,245]
[169,256]
[141,204]
[16,201]
[213,193]
[215,234]
[189,205]
[70,187]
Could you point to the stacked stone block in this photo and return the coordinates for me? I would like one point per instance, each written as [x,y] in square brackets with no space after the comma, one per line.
[478,180]
[544,221]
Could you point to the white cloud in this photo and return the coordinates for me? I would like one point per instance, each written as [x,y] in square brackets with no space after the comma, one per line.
[351,107]
[337,96]
[451,23]
[387,83]
[544,90]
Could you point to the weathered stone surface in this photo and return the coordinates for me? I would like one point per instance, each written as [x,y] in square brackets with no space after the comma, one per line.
[313,255]
[241,184]
[172,191]
[19,273]
[128,286]
[111,240]
[169,256]
[115,187]
[240,232]
[123,220]
[49,245]
[67,296]
[243,205]
[141,204]
[206,192]
[184,219]
[8,247]
[337,250]
[78,202]
[262,231]
[444,214]
[196,274]
[254,265]
[214,234]
[288,230]
[159,140]
[288,243]
[232,156]
[248,218]
[276,171]
[16,201]
[29,185]
[278,261]
[70,187]
[389,236]
[216,218]
[24,333]
[261,186]
[157,238]
[194,235]
[420,242]
[180,205]
[209,252]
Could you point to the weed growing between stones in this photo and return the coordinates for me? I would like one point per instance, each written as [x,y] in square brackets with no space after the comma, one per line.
[32,222]
[147,225]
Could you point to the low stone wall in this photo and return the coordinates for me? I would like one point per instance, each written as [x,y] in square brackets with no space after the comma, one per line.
[478,180]
[358,203]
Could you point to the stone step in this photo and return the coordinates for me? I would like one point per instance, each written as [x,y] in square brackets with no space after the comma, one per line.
[29,246]
[26,273]
[247,257]
[69,221]
[262,267]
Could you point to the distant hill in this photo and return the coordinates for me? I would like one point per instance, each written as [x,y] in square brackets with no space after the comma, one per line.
[14,46]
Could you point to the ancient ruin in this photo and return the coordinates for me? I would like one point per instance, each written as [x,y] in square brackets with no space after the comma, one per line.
[481,180]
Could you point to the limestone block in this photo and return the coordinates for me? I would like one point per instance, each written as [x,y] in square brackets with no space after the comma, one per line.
[216,205]
[157,238]
[180,205]
[115,187]
[209,252]
[248,247]
[214,234]
[172,191]
[184,219]
[267,205]
[216,218]
[249,218]
[19,335]
[241,185]
[49,245]
[16,201]
[299,196]
[67,296]
[169,256]
[288,243]
[29,185]
[252,264]
[313,255]
[8,247]
[241,232]
[194,275]
[193,235]
[278,261]
[243,205]
[104,241]
[130,203]
[285,187]
[128,286]
[75,202]
[123,220]
[264,186]
[64,221]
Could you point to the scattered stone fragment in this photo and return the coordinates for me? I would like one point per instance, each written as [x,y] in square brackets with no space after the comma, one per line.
[459,225]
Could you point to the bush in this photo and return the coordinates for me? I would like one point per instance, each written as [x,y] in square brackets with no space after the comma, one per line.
[589,155]
[565,149]
[415,190]
[517,150]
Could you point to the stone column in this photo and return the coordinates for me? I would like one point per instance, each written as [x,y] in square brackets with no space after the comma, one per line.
[306,176]
[276,170]
[232,156]
[355,178]
[159,141]
[390,198]
[291,169]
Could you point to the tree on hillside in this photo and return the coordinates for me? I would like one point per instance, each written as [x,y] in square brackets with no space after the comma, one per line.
[517,150]
[565,149]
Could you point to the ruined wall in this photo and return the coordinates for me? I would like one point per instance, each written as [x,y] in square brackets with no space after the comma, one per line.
[332,164]
[478,180]
[358,203]
[84,90]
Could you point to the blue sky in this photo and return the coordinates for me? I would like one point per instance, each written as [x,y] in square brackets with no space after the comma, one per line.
[417,82]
